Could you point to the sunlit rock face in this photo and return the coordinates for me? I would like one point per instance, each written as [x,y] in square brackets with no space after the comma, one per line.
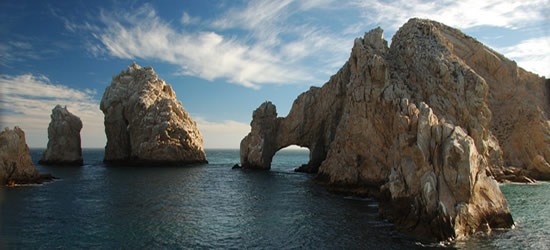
[63,139]
[15,160]
[145,123]
[423,125]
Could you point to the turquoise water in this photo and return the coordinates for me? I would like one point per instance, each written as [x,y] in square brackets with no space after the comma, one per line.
[530,207]
[214,206]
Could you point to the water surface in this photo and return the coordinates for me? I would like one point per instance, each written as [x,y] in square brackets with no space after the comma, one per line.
[214,206]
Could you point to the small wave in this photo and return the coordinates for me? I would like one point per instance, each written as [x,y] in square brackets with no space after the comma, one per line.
[358,198]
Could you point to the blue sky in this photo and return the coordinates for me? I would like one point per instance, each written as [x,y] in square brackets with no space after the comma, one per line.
[222,58]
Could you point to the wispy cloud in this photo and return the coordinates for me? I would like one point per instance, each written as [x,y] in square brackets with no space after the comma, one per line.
[461,14]
[187,19]
[17,51]
[225,134]
[269,25]
[27,100]
[208,55]
[532,54]
[269,50]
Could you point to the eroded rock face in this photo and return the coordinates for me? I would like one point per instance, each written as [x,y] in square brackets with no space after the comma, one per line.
[144,122]
[519,102]
[63,139]
[409,124]
[15,160]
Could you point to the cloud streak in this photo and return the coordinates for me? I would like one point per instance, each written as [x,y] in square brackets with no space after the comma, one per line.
[27,100]
[531,54]
[461,14]
[208,55]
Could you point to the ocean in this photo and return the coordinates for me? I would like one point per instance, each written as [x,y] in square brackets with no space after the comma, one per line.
[214,206]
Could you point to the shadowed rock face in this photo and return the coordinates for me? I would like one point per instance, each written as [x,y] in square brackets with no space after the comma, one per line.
[145,123]
[63,139]
[519,102]
[410,125]
[15,160]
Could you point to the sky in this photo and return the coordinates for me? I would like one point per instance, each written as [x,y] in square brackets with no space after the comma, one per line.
[222,58]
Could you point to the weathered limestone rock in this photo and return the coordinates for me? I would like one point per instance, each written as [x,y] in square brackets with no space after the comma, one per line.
[539,168]
[144,122]
[15,160]
[63,139]
[519,102]
[409,124]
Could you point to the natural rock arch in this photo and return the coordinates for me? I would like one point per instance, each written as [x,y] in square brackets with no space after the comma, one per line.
[270,134]
[409,125]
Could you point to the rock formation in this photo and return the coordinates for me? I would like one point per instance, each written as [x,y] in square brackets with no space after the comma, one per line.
[144,122]
[412,125]
[519,102]
[63,139]
[15,160]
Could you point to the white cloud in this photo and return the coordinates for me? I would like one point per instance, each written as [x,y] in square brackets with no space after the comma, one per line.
[27,100]
[461,14]
[204,54]
[186,19]
[302,46]
[531,54]
[17,51]
[226,134]
[272,50]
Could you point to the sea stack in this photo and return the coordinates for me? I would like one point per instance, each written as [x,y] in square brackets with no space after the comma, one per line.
[63,139]
[409,124]
[15,160]
[145,123]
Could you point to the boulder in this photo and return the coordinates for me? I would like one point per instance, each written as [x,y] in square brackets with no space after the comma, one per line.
[63,139]
[539,168]
[145,123]
[15,160]
[409,125]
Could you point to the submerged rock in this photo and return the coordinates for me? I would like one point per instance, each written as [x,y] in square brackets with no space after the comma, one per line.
[15,160]
[63,139]
[409,124]
[145,123]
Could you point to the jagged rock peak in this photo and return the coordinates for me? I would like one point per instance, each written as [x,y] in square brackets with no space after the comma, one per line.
[63,139]
[144,122]
[411,125]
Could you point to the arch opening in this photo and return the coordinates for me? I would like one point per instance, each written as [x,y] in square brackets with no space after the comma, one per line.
[293,158]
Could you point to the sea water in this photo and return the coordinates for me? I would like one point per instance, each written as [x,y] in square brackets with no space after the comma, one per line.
[214,206]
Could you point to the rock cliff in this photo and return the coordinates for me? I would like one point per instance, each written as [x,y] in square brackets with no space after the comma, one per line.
[15,160]
[145,123]
[63,139]
[414,125]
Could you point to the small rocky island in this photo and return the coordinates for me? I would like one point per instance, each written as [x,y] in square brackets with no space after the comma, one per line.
[64,146]
[145,123]
[425,126]
[15,160]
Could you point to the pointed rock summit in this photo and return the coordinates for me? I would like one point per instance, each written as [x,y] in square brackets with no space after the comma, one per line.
[423,125]
[145,123]
[63,139]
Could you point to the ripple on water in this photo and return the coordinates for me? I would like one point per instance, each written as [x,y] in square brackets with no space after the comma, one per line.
[214,206]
